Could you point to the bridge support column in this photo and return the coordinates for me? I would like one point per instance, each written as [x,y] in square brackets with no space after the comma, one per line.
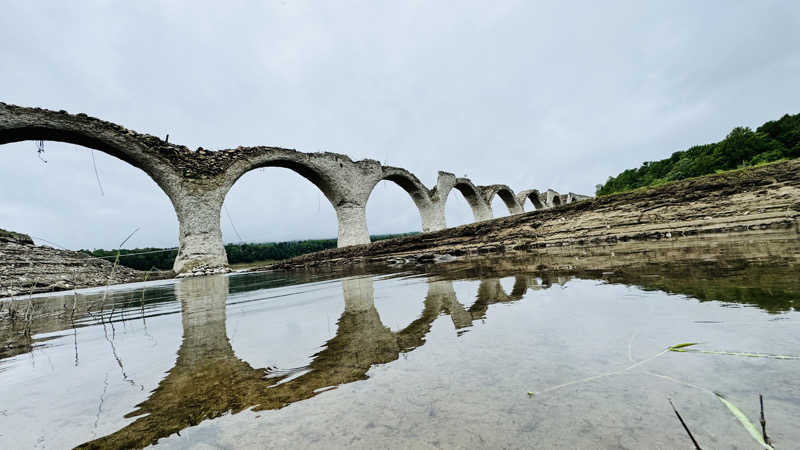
[515,209]
[200,242]
[433,217]
[482,211]
[352,219]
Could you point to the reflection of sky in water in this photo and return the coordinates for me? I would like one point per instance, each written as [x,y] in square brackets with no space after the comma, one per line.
[448,388]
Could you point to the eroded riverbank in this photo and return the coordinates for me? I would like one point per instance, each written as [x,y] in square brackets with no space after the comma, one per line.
[26,268]
[742,204]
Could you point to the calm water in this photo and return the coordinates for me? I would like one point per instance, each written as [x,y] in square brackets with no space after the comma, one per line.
[406,360]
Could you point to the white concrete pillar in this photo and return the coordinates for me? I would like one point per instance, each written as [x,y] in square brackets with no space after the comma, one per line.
[352,219]
[200,242]
[481,210]
[433,217]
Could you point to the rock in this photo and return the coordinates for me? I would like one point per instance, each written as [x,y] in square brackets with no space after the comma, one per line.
[26,268]
[13,237]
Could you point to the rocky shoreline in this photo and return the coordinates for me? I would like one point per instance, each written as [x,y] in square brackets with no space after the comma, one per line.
[26,268]
[757,201]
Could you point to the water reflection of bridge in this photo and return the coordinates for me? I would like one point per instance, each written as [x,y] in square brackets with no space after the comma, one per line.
[209,380]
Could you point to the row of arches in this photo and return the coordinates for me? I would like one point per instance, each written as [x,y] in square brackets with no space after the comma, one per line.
[197,182]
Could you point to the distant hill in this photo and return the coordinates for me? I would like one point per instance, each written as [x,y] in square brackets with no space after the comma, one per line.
[742,147]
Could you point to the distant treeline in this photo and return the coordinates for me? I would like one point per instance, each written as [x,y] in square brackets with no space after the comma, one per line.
[162,259]
[773,141]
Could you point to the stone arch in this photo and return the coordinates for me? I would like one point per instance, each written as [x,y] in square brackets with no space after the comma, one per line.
[252,193]
[139,150]
[480,210]
[552,198]
[534,196]
[409,182]
[287,159]
[419,194]
[344,182]
[505,193]
[158,159]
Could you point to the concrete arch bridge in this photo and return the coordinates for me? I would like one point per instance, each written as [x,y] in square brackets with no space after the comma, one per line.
[197,181]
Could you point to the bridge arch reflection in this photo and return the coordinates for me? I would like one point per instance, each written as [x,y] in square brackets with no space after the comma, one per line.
[209,380]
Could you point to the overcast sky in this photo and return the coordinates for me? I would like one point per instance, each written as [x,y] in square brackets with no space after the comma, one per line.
[531,94]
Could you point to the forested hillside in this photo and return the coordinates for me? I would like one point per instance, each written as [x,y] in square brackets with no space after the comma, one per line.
[742,147]
[162,259]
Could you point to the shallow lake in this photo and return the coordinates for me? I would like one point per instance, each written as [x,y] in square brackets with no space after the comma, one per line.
[419,359]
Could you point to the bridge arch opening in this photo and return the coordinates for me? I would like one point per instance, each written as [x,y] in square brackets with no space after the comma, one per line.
[87,192]
[509,201]
[471,194]
[458,210]
[499,207]
[503,203]
[532,202]
[269,204]
[392,207]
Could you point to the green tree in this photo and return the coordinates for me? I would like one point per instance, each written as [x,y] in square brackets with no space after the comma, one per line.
[742,147]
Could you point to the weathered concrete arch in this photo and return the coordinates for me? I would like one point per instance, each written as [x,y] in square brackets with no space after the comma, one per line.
[480,209]
[433,216]
[431,202]
[573,197]
[280,159]
[505,193]
[418,192]
[552,198]
[533,195]
[344,182]
[25,124]
[150,154]
[409,182]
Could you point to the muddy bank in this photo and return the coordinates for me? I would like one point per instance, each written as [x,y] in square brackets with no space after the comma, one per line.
[744,204]
[26,268]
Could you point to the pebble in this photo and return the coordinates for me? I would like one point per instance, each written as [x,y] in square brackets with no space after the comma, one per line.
[204,271]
